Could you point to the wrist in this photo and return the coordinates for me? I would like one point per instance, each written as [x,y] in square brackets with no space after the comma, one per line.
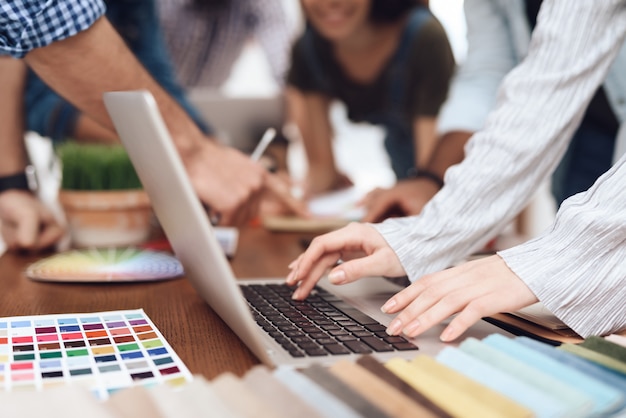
[24,180]
[417,173]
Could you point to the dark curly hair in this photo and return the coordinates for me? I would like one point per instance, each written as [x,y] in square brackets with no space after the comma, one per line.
[382,11]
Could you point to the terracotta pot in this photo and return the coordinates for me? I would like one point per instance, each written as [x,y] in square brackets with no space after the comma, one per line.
[107,218]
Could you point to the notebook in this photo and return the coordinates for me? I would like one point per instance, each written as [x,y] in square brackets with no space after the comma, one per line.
[329,211]
[149,145]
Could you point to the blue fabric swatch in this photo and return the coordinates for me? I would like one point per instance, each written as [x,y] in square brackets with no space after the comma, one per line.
[541,403]
[606,399]
[608,376]
[579,403]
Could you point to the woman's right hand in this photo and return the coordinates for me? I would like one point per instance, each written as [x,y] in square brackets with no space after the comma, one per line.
[326,250]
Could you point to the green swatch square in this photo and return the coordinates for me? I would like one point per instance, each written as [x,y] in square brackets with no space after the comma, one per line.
[128,347]
[50,354]
[76,353]
[152,343]
[19,357]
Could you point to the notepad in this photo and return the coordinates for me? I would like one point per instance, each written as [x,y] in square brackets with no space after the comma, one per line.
[329,211]
[539,314]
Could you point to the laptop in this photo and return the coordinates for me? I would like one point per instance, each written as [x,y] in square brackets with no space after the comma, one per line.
[150,147]
[239,122]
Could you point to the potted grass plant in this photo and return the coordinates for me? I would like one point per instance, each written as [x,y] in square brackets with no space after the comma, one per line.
[102,196]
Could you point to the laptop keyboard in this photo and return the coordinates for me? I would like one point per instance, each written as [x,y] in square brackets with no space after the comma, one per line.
[321,325]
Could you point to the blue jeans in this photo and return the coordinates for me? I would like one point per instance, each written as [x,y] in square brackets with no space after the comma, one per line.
[589,155]
[137,22]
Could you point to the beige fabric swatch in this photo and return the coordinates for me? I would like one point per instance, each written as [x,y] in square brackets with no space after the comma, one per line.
[261,381]
[241,399]
[502,405]
[30,404]
[379,392]
[456,402]
[134,402]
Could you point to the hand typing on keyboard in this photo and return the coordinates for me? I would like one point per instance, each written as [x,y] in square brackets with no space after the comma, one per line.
[474,290]
[321,325]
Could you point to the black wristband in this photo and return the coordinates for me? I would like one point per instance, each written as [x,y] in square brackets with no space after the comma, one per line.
[416,173]
[19,181]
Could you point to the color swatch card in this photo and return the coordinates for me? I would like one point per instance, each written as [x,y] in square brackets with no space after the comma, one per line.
[104,352]
[106,265]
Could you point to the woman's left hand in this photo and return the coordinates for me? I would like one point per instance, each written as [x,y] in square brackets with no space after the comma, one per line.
[472,290]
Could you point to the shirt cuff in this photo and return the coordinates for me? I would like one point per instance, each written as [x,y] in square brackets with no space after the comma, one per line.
[579,278]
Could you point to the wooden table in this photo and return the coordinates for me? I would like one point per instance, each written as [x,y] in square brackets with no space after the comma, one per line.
[201,339]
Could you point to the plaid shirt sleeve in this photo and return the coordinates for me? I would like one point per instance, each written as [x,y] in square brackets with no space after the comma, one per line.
[29,24]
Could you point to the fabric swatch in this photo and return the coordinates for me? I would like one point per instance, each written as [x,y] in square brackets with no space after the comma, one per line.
[349,396]
[579,403]
[261,381]
[605,397]
[384,395]
[378,369]
[542,404]
[317,397]
[594,356]
[605,347]
[439,391]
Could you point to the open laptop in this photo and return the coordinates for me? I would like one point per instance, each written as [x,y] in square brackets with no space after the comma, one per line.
[149,145]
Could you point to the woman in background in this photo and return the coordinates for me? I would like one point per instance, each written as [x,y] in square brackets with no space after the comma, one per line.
[388,61]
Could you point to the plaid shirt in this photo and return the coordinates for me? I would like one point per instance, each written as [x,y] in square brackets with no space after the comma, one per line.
[29,24]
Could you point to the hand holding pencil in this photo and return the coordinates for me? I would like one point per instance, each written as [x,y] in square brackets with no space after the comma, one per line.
[280,198]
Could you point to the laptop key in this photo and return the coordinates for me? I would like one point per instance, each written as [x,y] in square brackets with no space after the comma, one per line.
[405,346]
[377,344]
[358,347]
[337,349]
[355,314]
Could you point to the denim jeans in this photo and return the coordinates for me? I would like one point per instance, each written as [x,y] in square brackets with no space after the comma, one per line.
[589,155]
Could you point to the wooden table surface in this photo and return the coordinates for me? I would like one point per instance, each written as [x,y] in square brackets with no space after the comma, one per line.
[201,339]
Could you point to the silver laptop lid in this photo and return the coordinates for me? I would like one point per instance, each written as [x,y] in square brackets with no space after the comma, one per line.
[139,124]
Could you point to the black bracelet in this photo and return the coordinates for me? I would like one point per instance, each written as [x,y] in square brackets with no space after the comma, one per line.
[416,173]
[19,181]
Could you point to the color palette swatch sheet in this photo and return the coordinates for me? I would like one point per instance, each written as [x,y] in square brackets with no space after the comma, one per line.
[106,265]
[104,352]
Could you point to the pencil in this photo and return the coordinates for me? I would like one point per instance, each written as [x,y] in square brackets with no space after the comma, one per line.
[267,138]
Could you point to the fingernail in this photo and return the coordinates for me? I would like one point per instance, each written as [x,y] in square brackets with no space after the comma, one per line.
[296,295]
[446,335]
[395,327]
[411,329]
[292,264]
[291,278]
[337,276]
[390,304]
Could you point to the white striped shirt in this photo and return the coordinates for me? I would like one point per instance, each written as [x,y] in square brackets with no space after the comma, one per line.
[578,267]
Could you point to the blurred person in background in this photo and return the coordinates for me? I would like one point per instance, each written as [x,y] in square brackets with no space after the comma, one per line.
[388,61]
[206,37]
[498,33]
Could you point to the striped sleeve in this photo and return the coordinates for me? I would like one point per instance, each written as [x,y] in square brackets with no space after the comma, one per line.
[29,24]
[578,268]
[539,106]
